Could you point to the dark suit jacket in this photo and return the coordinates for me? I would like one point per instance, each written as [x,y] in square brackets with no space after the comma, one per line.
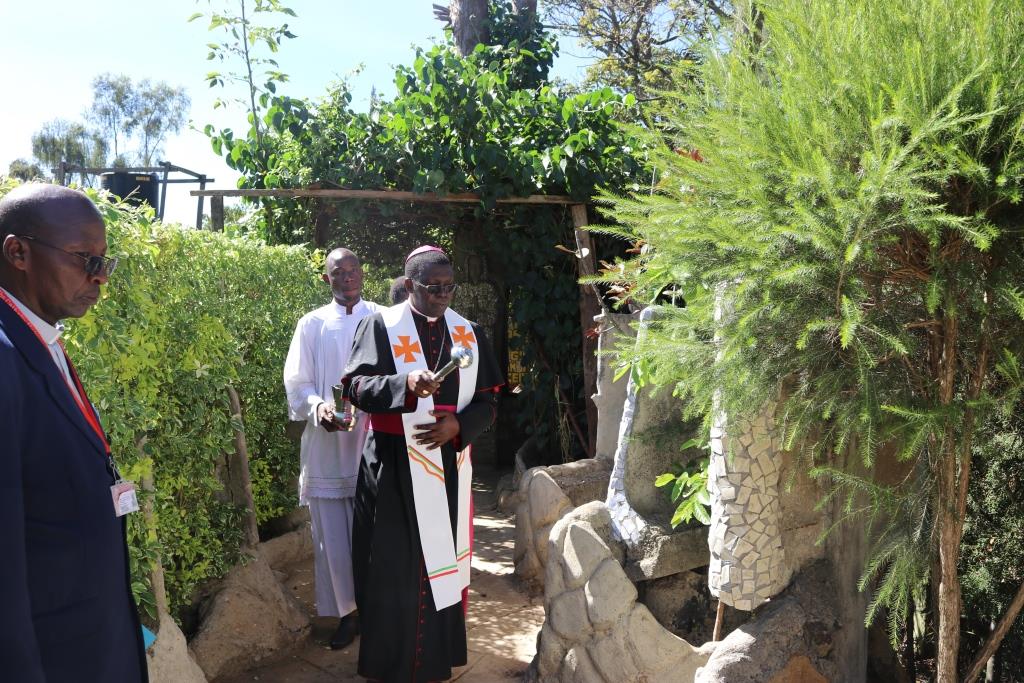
[66,611]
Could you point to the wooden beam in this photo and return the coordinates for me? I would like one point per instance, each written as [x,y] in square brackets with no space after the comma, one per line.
[386,195]
[217,214]
[590,306]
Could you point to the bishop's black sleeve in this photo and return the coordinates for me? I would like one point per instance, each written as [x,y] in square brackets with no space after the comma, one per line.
[370,377]
[480,414]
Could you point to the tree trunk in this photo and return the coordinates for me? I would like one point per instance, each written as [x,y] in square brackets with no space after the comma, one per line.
[949,587]
[947,516]
[469,24]
[996,637]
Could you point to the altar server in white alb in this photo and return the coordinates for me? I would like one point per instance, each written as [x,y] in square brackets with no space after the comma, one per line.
[331,448]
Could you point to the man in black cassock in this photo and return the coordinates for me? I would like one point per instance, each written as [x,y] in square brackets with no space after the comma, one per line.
[404,638]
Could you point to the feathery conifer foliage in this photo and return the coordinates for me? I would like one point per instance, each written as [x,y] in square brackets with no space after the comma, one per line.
[842,209]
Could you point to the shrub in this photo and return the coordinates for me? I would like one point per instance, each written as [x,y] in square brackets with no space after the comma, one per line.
[186,314]
[840,204]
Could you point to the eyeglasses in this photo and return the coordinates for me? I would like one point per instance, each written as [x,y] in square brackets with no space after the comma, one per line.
[94,265]
[436,290]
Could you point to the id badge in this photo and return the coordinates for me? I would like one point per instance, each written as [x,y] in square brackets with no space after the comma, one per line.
[125,500]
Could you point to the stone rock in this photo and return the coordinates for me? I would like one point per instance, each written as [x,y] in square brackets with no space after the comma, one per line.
[169,659]
[609,594]
[568,616]
[507,493]
[655,413]
[551,651]
[800,622]
[540,544]
[801,546]
[524,532]
[554,578]
[662,552]
[295,546]
[582,481]
[596,515]
[577,668]
[547,502]
[610,658]
[670,597]
[611,395]
[251,617]
[799,670]
[582,552]
[654,648]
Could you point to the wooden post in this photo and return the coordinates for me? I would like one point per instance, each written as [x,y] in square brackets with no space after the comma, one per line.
[163,190]
[61,172]
[241,481]
[719,616]
[217,214]
[199,207]
[156,572]
[590,306]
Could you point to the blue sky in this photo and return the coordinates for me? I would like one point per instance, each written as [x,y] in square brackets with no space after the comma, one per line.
[52,49]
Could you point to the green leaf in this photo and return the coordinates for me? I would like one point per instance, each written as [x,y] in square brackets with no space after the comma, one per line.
[664,479]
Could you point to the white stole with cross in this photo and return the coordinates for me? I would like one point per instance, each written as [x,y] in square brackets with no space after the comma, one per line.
[446,560]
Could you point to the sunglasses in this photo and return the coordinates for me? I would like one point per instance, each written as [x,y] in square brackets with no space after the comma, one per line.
[94,265]
[436,290]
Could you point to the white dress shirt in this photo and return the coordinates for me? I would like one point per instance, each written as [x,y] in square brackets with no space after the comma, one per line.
[317,356]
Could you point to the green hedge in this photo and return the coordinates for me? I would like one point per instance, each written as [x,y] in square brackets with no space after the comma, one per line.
[186,314]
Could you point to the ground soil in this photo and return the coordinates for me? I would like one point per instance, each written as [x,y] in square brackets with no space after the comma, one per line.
[502,624]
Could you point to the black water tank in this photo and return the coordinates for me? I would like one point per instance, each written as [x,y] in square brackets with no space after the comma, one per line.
[134,188]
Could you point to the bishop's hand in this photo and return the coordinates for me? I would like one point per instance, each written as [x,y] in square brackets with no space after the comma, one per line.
[438,433]
[421,383]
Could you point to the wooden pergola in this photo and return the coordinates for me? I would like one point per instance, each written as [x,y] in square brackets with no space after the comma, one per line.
[590,298]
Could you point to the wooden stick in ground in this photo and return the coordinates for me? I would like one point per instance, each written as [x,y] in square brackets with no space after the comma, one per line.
[241,475]
[156,572]
[993,641]
[719,616]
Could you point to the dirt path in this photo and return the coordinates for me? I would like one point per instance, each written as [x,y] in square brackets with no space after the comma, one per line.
[502,623]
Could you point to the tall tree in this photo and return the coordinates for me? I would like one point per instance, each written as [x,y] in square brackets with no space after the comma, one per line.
[160,109]
[114,107]
[25,170]
[855,199]
[637,41]
[70,141]
[123,112]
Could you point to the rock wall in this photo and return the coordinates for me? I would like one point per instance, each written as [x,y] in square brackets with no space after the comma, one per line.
[545,495]
[747,558]
[253,616]
[596,631]
[616,328]
[792,638]
[169,659]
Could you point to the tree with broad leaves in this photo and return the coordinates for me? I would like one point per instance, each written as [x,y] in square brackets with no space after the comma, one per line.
[637,41]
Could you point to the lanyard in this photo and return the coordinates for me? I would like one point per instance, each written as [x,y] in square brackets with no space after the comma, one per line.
[81,398]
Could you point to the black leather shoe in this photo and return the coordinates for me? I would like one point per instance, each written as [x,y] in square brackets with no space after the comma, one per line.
[346,632]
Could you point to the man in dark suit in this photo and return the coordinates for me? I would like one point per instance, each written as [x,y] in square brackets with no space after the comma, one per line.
[66,609]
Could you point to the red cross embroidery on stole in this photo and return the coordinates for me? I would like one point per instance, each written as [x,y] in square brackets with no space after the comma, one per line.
[407,348]
[463,336]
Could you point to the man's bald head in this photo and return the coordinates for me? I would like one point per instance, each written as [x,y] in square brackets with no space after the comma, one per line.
[343,272]
[46,211]
[337,255]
